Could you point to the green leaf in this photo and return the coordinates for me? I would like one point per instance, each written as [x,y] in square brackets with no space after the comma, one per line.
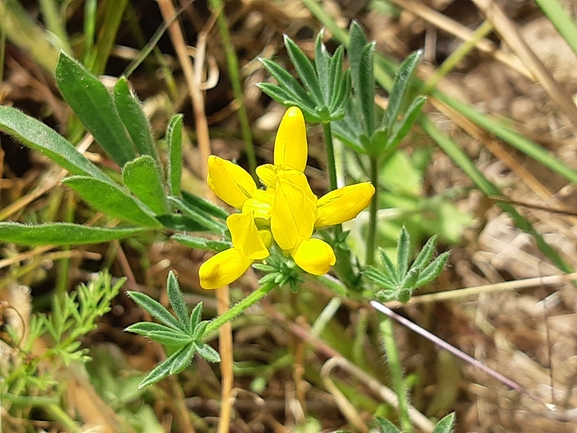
[402,128]
[38,136]
[357,44]
[61,234]
[156,309]
[446,424]
[111,200]
[174,142]
[322,62]
[170,338]
[160,333]
[176,299]
[410,279]
[399,91]
[180,223]
[285,98]
[403,253]
[379,278]
[184,358]
[288,83]
[385,426]
[207,352]
[366,88]
[200,330]
[426,253]
[94,106]
[198,215]
[389,267]
[144,328]
[165,368]
[142,177]
[198,203]
[433,270]
[195,317]
[304,70]
[201,243]
[133,117]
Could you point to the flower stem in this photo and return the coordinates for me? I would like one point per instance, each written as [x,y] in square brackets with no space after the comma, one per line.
[374,174]
[386,327]
[238,308]
[330,149]
[236,82]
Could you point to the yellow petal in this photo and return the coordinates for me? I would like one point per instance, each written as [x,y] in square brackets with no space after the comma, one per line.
[315,256]
[245,237]
[290,146]
[266,237]
[267,174]
[231,183]
[293,214]
[223,269]
[260,206]
[343,204]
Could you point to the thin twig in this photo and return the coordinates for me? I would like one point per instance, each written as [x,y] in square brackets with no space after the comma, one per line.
[458,353]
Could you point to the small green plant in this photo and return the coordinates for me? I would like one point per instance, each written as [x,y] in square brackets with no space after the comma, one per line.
[281,222]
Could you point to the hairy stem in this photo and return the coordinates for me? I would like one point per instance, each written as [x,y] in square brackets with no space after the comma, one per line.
[372,234]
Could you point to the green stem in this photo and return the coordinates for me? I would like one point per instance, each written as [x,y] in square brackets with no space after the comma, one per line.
[58,415]
[234,74]
[374,175]
[396,370]
[330,149]
[241,306]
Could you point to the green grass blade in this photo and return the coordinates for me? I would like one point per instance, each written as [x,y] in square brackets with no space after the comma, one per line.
[563,22]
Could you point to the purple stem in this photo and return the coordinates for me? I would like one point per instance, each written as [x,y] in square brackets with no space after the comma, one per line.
[458,353]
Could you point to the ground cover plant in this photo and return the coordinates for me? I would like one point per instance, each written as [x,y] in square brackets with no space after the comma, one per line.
[224,255]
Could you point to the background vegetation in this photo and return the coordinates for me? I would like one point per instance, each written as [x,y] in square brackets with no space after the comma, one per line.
[490,169]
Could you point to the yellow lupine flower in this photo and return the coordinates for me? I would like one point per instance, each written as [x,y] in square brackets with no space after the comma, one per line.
[287,211]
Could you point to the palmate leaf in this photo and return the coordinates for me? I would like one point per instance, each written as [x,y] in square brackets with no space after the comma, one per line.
[194,212]
[200,204]
[94,106]
[287,82]
[201,243]
[160,333]
[385,426]
[207,352]
[61,234]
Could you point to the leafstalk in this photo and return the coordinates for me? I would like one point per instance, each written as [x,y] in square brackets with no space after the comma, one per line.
[396,370]
[241,306]
[374,175]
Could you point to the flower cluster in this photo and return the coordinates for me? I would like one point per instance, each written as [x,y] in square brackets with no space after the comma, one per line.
[286,211]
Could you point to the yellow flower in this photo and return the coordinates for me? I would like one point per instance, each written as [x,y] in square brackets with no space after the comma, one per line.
[229,265]
[286,211]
